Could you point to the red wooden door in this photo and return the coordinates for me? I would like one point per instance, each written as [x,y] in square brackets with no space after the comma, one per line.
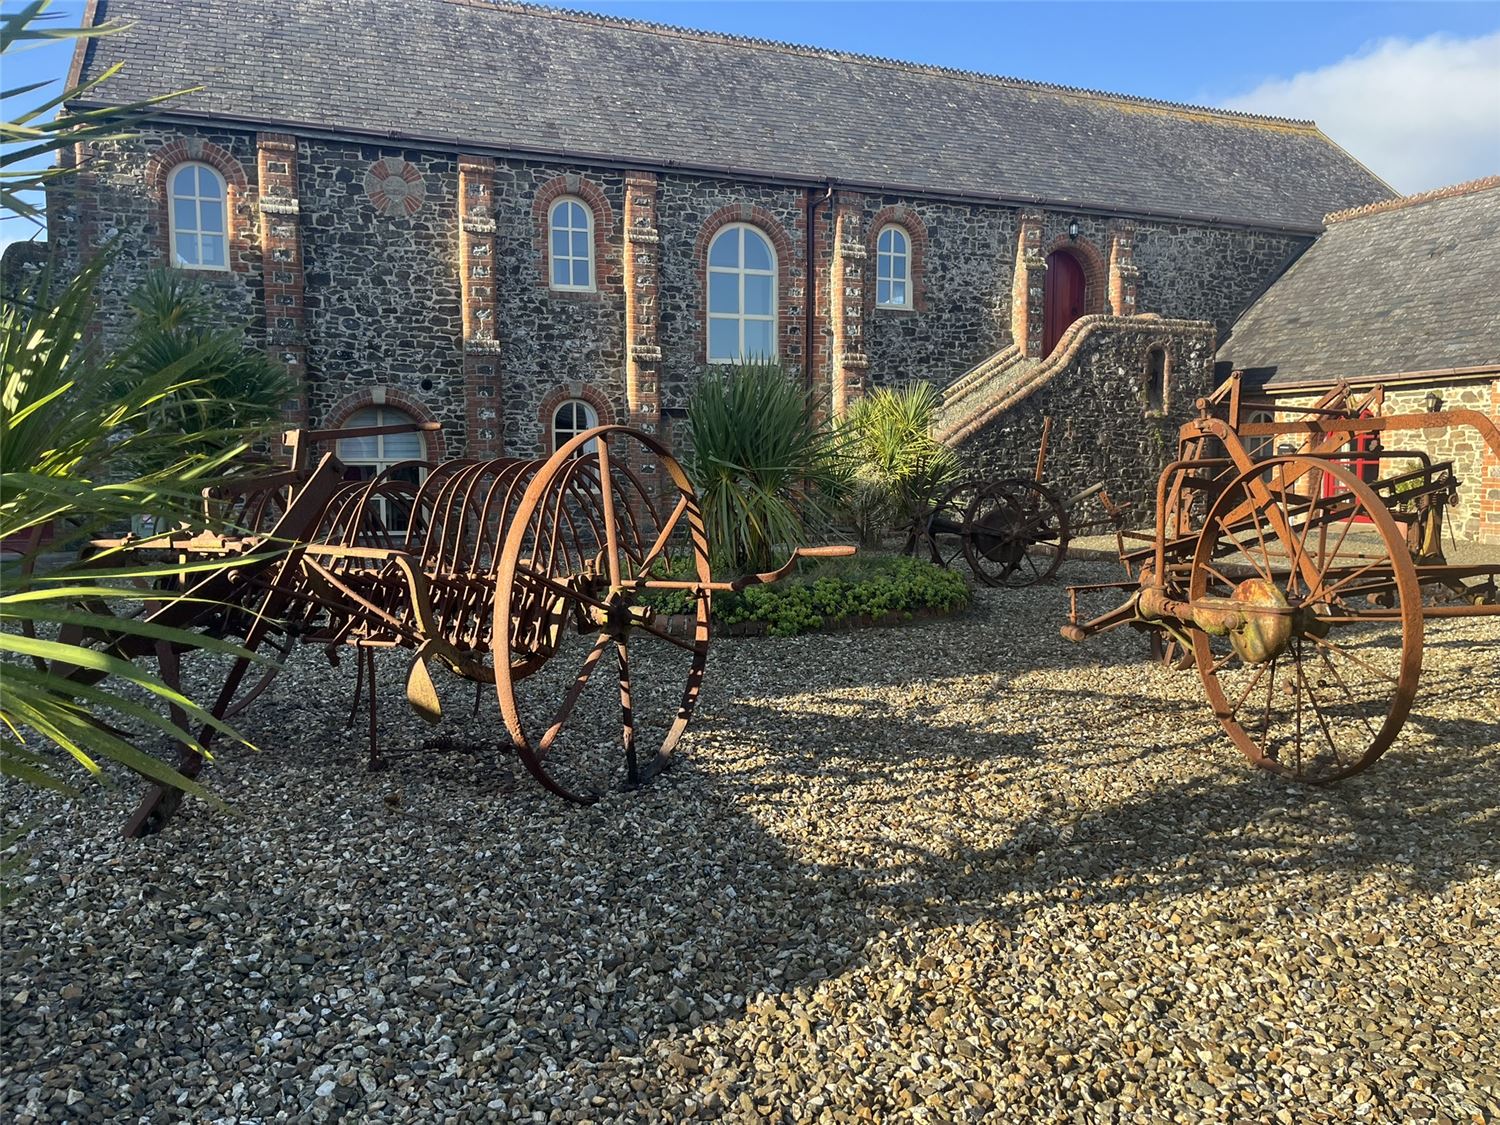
[1064,297]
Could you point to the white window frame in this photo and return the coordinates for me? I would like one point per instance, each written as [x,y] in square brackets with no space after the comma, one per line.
[886,262]
[741,271]
[590,414]
[571,258]
[384,416]
[173,230]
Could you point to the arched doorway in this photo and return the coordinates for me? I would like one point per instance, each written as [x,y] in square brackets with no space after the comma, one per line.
[1064,293]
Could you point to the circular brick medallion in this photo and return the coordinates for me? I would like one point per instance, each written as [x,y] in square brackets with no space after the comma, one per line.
[395,187]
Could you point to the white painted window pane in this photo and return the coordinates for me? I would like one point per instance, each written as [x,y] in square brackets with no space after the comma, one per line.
[882,292]
[725,250]
[213,250]
[757,251]
[560,271]
[898,293]
[184,214]
[353,450]
[184,181]
[758,295]
[723,338]
[723,293]
[581,273]
[758,339]
[212,216]
[208,184]
[559,243]
[575,215]
[187,249]
[402,447]
[580,244]
[887,237]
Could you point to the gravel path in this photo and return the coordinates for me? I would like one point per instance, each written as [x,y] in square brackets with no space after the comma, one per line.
[956,872]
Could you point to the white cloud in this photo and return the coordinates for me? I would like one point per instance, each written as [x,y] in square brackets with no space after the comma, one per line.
[1418,114]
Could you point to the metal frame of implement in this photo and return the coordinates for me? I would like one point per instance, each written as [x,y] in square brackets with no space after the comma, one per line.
[488,567]
[1299,584]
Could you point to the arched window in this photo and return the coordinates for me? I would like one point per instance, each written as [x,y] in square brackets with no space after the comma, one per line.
[369,456]
[741,296]
[893,269]
[1156,381]
[571,227]
[198,213]
[570,419]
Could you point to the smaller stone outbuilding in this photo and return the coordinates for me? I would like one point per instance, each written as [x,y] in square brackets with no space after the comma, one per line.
[1404,293]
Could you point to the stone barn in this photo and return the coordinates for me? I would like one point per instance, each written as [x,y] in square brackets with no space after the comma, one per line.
[1404,293]
[522,221]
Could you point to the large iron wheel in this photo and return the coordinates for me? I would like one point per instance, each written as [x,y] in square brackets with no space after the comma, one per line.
[1339,684]
[587,544]
[1015,533]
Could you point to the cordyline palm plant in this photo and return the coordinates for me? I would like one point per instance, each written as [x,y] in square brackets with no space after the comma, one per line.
[898,467]
[764,465]
[87,440]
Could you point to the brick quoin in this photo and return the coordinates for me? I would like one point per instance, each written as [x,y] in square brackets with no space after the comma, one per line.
[282,277]
[479,281]
[788,315]
[238,205]
[351,404]
[607,251]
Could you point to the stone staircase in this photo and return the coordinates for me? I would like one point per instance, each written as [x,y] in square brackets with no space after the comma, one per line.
[986,381]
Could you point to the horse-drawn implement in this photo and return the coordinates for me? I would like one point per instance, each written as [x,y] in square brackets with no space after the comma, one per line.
[1299,583]
[1011,531]
[496,570]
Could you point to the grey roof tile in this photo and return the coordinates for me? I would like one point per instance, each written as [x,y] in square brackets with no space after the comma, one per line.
[1409,286]
[509,77]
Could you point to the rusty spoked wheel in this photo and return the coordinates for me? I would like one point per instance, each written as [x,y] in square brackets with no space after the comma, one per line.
[945,524]
[595,690]
[1015,533]
[1318,681]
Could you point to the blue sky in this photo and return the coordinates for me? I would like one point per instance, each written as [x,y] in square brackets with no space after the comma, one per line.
[1412,89]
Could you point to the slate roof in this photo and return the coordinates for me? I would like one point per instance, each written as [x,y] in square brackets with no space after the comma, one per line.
[502,77]
[1404,286]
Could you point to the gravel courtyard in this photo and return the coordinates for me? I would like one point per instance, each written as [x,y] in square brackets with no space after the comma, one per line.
[962,871]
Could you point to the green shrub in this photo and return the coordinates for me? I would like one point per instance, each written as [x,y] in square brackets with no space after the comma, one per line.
[831,591]
[898,467]
[764,465]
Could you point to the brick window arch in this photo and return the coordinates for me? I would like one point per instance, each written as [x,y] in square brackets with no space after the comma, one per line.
[351,404]
[902,218]
[570,392]
[1095,270]
[758,218]
[605,269]
[161,169]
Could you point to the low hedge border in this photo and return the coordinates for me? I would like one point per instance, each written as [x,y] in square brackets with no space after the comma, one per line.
[863,592]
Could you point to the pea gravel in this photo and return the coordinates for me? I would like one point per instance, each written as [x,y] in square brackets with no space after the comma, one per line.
[961,871]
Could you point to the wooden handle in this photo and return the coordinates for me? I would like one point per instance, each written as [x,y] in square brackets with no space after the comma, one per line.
[832,551]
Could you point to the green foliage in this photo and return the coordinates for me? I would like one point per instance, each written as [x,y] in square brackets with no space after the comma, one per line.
[899,469]
[832,591]
[764,466]
[86,441]
[236,389]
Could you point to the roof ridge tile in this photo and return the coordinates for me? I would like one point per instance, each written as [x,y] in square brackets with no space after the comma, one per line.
[1401,202]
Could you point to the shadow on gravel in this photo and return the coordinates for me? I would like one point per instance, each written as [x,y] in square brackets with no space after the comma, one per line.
[456,941]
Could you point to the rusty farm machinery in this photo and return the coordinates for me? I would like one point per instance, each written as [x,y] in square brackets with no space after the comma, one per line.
[1011,531]
[499,571]
[1298,583]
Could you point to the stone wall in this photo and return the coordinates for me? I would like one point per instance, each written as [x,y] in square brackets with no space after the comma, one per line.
[377,283]
[1476,515]
[1103,424]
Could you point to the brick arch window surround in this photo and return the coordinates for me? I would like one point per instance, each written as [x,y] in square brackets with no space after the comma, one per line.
[1095,270]
[909,223]
[435,441]
[554,400]
[756,218]
[605,267]
[162,181]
